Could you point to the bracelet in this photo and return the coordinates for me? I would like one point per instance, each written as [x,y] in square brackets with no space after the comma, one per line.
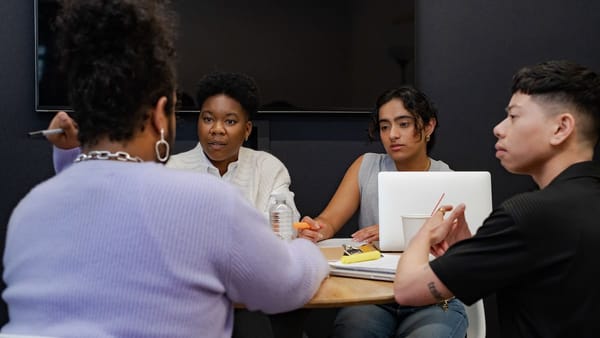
[444,303]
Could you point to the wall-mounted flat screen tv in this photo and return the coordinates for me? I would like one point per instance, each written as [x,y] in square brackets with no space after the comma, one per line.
[306,55]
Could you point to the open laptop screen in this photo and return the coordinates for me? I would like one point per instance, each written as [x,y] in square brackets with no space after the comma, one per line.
[404,193]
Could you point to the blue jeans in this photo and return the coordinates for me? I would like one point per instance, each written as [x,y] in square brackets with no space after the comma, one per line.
[393,320]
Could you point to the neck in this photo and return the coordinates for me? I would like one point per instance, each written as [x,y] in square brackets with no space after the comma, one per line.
[134,147]
[557,164]
[422,163]
[221,165]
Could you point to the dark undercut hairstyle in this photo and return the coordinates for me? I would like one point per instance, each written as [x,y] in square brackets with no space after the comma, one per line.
[568,83]
[415,102]
[119,58]
[240,87]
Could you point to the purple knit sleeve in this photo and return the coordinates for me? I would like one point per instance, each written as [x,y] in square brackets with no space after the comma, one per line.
[63,158]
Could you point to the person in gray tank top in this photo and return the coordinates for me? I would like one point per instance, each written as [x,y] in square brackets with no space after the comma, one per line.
[405,121]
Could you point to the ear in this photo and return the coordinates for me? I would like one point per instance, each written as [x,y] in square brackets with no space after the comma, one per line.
[248,130]
[564,126]
[158,115]
[429,128]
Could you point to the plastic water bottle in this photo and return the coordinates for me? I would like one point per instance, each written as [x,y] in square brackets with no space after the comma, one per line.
[280,215]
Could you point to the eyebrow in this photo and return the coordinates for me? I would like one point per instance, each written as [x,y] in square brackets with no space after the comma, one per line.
[401,117]
[226,114]
[511,107]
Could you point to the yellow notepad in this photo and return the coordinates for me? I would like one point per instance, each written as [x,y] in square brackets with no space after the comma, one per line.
[365,252]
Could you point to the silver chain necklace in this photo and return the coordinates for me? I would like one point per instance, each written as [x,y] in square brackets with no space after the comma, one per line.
[107,155]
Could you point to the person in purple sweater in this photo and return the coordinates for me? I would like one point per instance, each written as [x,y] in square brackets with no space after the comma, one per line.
[117,245]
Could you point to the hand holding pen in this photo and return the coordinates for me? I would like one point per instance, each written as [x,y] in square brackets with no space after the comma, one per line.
[62,131]
[310,230]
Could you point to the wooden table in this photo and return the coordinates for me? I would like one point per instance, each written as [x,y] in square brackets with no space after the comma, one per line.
[338,291]
[343,291]
[334,292]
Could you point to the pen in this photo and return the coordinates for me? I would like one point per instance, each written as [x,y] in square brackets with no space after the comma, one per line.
[46,132]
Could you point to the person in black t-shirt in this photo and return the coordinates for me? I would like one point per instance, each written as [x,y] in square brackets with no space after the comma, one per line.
[537,250]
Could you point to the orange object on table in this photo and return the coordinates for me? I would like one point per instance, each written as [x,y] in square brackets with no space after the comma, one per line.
[301,225]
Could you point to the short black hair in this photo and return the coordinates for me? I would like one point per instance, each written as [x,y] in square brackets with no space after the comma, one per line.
[565,82]
[119,57]
[415,101]
[237,86]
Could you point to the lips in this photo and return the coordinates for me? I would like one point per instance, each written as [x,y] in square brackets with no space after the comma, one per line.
[397,147]
[500,150]
[216,145]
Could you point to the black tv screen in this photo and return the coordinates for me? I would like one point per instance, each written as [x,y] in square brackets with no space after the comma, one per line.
[305,55]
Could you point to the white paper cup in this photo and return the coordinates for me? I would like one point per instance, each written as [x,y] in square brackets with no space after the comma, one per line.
[411,225]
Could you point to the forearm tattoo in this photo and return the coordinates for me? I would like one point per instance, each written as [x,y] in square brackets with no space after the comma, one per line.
[443,303]
[434,292]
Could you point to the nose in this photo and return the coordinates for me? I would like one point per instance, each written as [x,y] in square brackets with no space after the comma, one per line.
[217,128]
[395,132]
[499,129]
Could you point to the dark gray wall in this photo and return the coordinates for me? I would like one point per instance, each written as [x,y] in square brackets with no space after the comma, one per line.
[26,161]
[467,51]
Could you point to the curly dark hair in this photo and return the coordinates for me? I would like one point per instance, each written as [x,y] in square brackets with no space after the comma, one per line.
[565,82]
[119,57]
[415,101]
[237,86]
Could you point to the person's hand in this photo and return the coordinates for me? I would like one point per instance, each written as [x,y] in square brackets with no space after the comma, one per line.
[367,234]
[447,231]
[67,139]
[313,233]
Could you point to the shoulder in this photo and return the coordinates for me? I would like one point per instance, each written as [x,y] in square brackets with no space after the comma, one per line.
[369,165]
[371,160]
[195,193]
[259,158]
[372,157]
[373,163]
[530,206]
[437,165]
[186,158]
[187,182]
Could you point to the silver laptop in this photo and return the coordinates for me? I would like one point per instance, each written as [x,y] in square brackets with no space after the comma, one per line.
[417,192]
